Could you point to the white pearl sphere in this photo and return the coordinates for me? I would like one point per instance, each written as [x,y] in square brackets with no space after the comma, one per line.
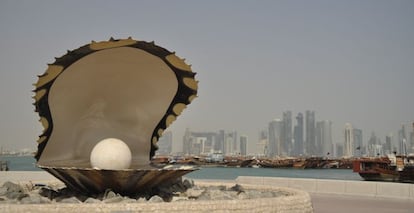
[111,154]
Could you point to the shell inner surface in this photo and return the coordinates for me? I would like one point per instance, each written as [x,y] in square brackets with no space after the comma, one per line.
[112,93]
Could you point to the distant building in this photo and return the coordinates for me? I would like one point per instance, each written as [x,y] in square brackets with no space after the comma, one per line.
[231,143]
[236,142]
[263,143]
[388,144]
[298,135]
[196,143]
[275,138]
[324,138]
[165,144]
[349,141]
[310,133]
[339,152]
[353,144]
[406,138]
[358,143]
[402,140]
[374,147]
[219,144]
[287,137]
[412,140]
[243,145]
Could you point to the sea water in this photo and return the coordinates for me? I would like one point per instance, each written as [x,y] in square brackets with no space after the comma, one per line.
[28,163]
[230,173]
[20,163]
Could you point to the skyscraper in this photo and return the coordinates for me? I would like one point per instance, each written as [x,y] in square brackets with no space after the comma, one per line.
[319,138]
[243,145]
[349,140]
[412,139]
[406,138]
[353,145]
[219,145]
[287,134]
[358,143]
[236,143]
[298,135]
[402,139]
[324,138]
[187,142]
[310,133]
[339,152]
[275,138]
[388,144]
[231,146]
[263,143]
[374,147]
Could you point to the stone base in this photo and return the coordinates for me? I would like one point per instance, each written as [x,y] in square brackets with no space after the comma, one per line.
[294,201]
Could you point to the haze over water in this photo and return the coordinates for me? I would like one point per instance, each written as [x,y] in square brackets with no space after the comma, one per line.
[349,61]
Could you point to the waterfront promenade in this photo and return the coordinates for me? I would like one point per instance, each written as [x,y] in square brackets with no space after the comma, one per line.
[327,195]
[341,196]
[332,203]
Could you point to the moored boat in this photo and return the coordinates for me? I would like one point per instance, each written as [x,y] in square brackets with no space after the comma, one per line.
[397,168]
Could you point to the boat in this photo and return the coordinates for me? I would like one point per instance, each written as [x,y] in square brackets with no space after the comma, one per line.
[396,168]
[299,164]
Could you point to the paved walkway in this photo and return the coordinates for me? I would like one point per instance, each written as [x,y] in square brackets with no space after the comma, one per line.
[327,203]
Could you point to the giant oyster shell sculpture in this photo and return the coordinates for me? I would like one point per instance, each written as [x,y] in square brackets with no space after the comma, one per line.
[124,89]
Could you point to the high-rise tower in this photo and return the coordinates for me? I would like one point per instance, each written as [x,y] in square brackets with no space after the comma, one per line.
[310,133]
[324,138]
[275,138]
[263,143]
[349,140]
[287,133]
[358,143]
[298,135]
[402,140]
[243,145]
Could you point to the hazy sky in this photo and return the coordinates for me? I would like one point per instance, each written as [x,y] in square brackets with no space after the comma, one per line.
[350,61]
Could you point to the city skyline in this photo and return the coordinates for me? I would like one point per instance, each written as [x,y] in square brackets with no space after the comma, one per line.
[283,138]
[349,61]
